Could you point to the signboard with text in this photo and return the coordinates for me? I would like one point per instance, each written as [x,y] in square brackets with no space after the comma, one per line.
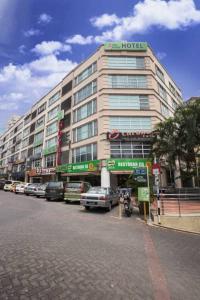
[126,164]
[87,166]
[127,46]
[143,194]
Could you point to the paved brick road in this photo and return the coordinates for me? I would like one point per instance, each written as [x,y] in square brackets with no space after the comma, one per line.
[50,250]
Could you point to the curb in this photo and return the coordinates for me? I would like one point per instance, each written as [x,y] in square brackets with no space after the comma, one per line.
[175,229]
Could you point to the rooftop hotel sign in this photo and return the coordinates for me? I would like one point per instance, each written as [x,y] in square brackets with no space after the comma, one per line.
[127,46]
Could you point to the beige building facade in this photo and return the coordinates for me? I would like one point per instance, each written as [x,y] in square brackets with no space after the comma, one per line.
[97,123]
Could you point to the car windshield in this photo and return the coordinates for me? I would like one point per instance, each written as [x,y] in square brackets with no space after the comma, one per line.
[73,185]
[97,190]
[56,184]
[8,182]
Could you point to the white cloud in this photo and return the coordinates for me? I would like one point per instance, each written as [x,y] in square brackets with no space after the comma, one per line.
[104,20]
[32,32]
[79,39]
[22,84]
[171,15]
[161,55]
[44,19]
[51,47]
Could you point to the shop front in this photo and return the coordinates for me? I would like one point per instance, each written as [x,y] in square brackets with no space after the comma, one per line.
[41,175]
[87,171]
[122,171]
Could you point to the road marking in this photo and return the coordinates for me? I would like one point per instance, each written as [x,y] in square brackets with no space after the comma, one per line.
[158,279]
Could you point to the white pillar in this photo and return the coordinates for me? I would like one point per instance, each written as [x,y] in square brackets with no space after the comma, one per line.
[105,177]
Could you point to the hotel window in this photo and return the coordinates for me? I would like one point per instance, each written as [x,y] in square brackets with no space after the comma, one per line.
[53,113]
[85,153]
[172,88]
[85,111]
[164,110]
[39,137]
[25,142]
[54,98]
[24,154]
[67,88]
[86,73]
[125,62]
[162,92]
[50,160]
[160,74]
[52,128]
[26,132]
[139,102]
[40,122]
[127,81]
[37,150]
[27,119]
[129,124]
[84,132]
[85,92]
[41,108]
[130,149]
[51,142]
[37,163]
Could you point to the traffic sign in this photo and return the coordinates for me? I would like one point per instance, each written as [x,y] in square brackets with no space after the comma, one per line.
[156,169]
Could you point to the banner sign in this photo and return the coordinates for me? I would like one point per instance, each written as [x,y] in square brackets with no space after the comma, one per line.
[128,46]
[126,164]
[87,166]
[117,135]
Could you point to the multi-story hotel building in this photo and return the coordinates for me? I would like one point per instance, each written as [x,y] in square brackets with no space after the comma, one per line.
[96,123]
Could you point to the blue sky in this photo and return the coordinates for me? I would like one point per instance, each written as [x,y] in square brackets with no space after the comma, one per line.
[42,40]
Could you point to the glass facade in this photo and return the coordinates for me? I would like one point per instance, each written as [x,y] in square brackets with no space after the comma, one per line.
[52,128]
[40,122]
[39,137]
[85,92]
[54,98]
[85,111]
[53,113]
[128,102]
[51,142]
[129,124]
[160,74]
[86,73]
[130,149]
[37,150]
[162,92]
[85,153]
[50,160]
[127,81]
[84,132]
[164,110]
[125,62]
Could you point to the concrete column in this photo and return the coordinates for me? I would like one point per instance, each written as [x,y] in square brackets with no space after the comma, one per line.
[105,177]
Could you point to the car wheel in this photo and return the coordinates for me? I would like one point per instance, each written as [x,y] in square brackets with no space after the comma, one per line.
[67,201]
[15,192]
[26,194]
[37,196]
[87,207]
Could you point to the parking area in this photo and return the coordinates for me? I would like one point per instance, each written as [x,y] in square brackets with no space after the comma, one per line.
[53,250]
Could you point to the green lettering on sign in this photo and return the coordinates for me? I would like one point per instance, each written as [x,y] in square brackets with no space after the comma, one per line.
[143,194]
[128,46]
[87,166]
[126,164]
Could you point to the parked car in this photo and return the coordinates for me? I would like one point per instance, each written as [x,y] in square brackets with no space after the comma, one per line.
[9,185]
[20,188]
[14,184]
[2,183]
[74,189]
[30,188]
[99,197]
[40,190]
[55,190]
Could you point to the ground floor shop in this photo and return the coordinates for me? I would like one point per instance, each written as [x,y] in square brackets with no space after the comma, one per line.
[41,175]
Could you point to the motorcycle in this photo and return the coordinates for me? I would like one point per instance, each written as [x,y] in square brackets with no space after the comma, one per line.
[126,200]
